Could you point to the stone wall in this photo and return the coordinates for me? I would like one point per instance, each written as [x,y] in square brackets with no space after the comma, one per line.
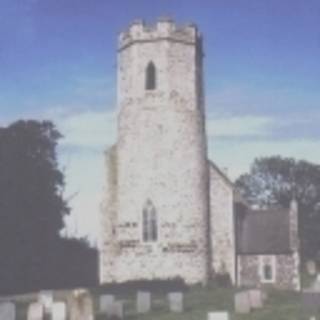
[286,271]
[108,244]
[295,242]
[222,235]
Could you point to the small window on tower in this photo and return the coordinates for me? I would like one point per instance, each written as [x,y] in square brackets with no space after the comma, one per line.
[150,225]
[151,76]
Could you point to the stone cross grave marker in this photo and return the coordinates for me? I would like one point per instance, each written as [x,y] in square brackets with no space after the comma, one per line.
[218,315]
[175,301]
[7,311]
[59,311]
[106,302]
[242,302]
[35,311]
[143,302]
[256,298]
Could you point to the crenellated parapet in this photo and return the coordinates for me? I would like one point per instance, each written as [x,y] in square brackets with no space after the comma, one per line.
[164,29]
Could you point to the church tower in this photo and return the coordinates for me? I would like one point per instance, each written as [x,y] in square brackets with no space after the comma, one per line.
[158,228]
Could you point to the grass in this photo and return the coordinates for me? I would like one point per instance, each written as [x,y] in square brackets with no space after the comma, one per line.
[198,301]
[281,305]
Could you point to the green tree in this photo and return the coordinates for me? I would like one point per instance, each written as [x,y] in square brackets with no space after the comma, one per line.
[32,207]
[274,181]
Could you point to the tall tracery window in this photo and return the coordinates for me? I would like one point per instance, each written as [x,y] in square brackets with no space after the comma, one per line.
[151,76]
[150,225]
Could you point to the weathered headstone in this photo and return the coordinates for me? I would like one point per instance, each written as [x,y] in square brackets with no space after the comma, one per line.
[35,311]
[242,302]
[46,299]
[264,296]
[106,303]
[311,267]
[80,305]
[218,315]
[256,298]
[58,311]
[7,311]
[117,310]
[316,284]
[143,302]
[175,301]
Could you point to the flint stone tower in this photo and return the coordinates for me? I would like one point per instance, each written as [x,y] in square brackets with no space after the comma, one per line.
[156,214]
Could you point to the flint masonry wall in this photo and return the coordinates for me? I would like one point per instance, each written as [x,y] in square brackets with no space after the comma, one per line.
[221,224]
[108,246]
[286,272]
[161,156]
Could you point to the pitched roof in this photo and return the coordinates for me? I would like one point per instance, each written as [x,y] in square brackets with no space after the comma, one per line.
[220,172]
[263,232]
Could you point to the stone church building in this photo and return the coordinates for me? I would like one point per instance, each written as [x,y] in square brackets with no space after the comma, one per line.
[168,211]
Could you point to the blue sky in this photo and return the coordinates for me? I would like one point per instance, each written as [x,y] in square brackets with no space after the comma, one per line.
[262,75]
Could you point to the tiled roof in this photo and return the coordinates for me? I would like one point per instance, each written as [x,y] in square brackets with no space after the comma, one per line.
[263,232]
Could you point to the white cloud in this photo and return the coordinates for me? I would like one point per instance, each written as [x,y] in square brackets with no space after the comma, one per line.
[239,126]
[92,131]
[84,175]
[97,87]
[88,133]
[238,155]
[88,129]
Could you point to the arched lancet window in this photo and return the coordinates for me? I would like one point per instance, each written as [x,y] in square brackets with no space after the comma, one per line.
[151,76]
[150,224]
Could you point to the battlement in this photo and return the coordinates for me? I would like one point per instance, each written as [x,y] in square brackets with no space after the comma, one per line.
[164,28]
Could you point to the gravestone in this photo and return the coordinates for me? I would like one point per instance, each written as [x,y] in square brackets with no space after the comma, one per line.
[264,296]
[7,311]
[316,284]
[256,298]
[58,311]
[311,267]
[106,303]
[143,302]
[80,305]
[117,310]
[242,302]
[35,311]
[175,301]
[218,315]
[46,299]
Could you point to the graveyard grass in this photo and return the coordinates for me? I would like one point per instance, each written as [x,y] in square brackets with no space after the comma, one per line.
[198,302]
